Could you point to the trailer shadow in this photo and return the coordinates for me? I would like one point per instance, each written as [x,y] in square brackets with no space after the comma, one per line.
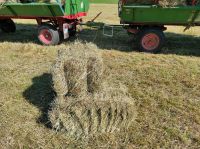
[180,44]
[120,41]
[25,33]
[41,94]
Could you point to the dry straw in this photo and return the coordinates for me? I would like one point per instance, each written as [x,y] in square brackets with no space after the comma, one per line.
[171,3]
[94,71]
[84,105]
[163,3]
[93,115]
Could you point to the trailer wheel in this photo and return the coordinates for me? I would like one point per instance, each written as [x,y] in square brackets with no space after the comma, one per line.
[8,26]
[150,40]
[48,35]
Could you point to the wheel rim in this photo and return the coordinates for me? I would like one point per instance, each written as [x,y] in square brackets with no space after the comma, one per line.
[45,36]
[150,41]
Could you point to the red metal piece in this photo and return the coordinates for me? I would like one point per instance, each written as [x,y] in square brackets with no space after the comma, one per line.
[156,1]
[123,1]
[133,30]
[193,2]
[75,16]
[39,21]
[150,41]
[45,36]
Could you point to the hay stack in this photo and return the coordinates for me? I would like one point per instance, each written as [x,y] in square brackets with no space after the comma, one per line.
[163,3]
[84,105]
[171,3]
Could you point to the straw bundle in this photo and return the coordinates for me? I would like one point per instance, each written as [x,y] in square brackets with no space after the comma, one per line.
[171,3]
[89,115]
[163,3]
[70,72]
[77,70]
[84,105]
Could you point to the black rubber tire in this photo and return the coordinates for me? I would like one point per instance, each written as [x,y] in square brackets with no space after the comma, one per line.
[8,26]
[153,31]
[53,32]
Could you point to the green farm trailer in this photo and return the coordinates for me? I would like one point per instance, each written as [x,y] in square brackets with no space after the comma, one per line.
[147,22]
[56,21]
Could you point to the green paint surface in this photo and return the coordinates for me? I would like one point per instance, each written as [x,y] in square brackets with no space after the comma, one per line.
[31,9]
[158,15]
[44,9]
[76,6]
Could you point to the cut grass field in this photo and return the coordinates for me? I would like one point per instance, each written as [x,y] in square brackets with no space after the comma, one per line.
[165,86]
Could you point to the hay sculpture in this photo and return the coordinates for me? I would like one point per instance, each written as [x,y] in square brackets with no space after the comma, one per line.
[84,105]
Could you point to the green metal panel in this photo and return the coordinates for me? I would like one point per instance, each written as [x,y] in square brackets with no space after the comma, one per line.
[159,15]
[76,6]
[31,9]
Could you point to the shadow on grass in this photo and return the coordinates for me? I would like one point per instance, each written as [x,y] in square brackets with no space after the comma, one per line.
[41,94]
[179,44]
[25,33]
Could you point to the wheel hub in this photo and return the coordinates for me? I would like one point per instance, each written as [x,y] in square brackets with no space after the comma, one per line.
[150,41]
[45,36]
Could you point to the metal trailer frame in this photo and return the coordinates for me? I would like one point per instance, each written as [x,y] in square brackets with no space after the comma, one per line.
[54,22]
[147,22]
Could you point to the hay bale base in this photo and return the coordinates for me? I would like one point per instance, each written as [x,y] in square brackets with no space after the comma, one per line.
[91,116]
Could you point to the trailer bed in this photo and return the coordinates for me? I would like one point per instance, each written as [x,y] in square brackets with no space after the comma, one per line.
[15,10]
[180,15]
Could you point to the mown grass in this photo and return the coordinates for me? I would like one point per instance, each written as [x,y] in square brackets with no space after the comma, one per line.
[165,87]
